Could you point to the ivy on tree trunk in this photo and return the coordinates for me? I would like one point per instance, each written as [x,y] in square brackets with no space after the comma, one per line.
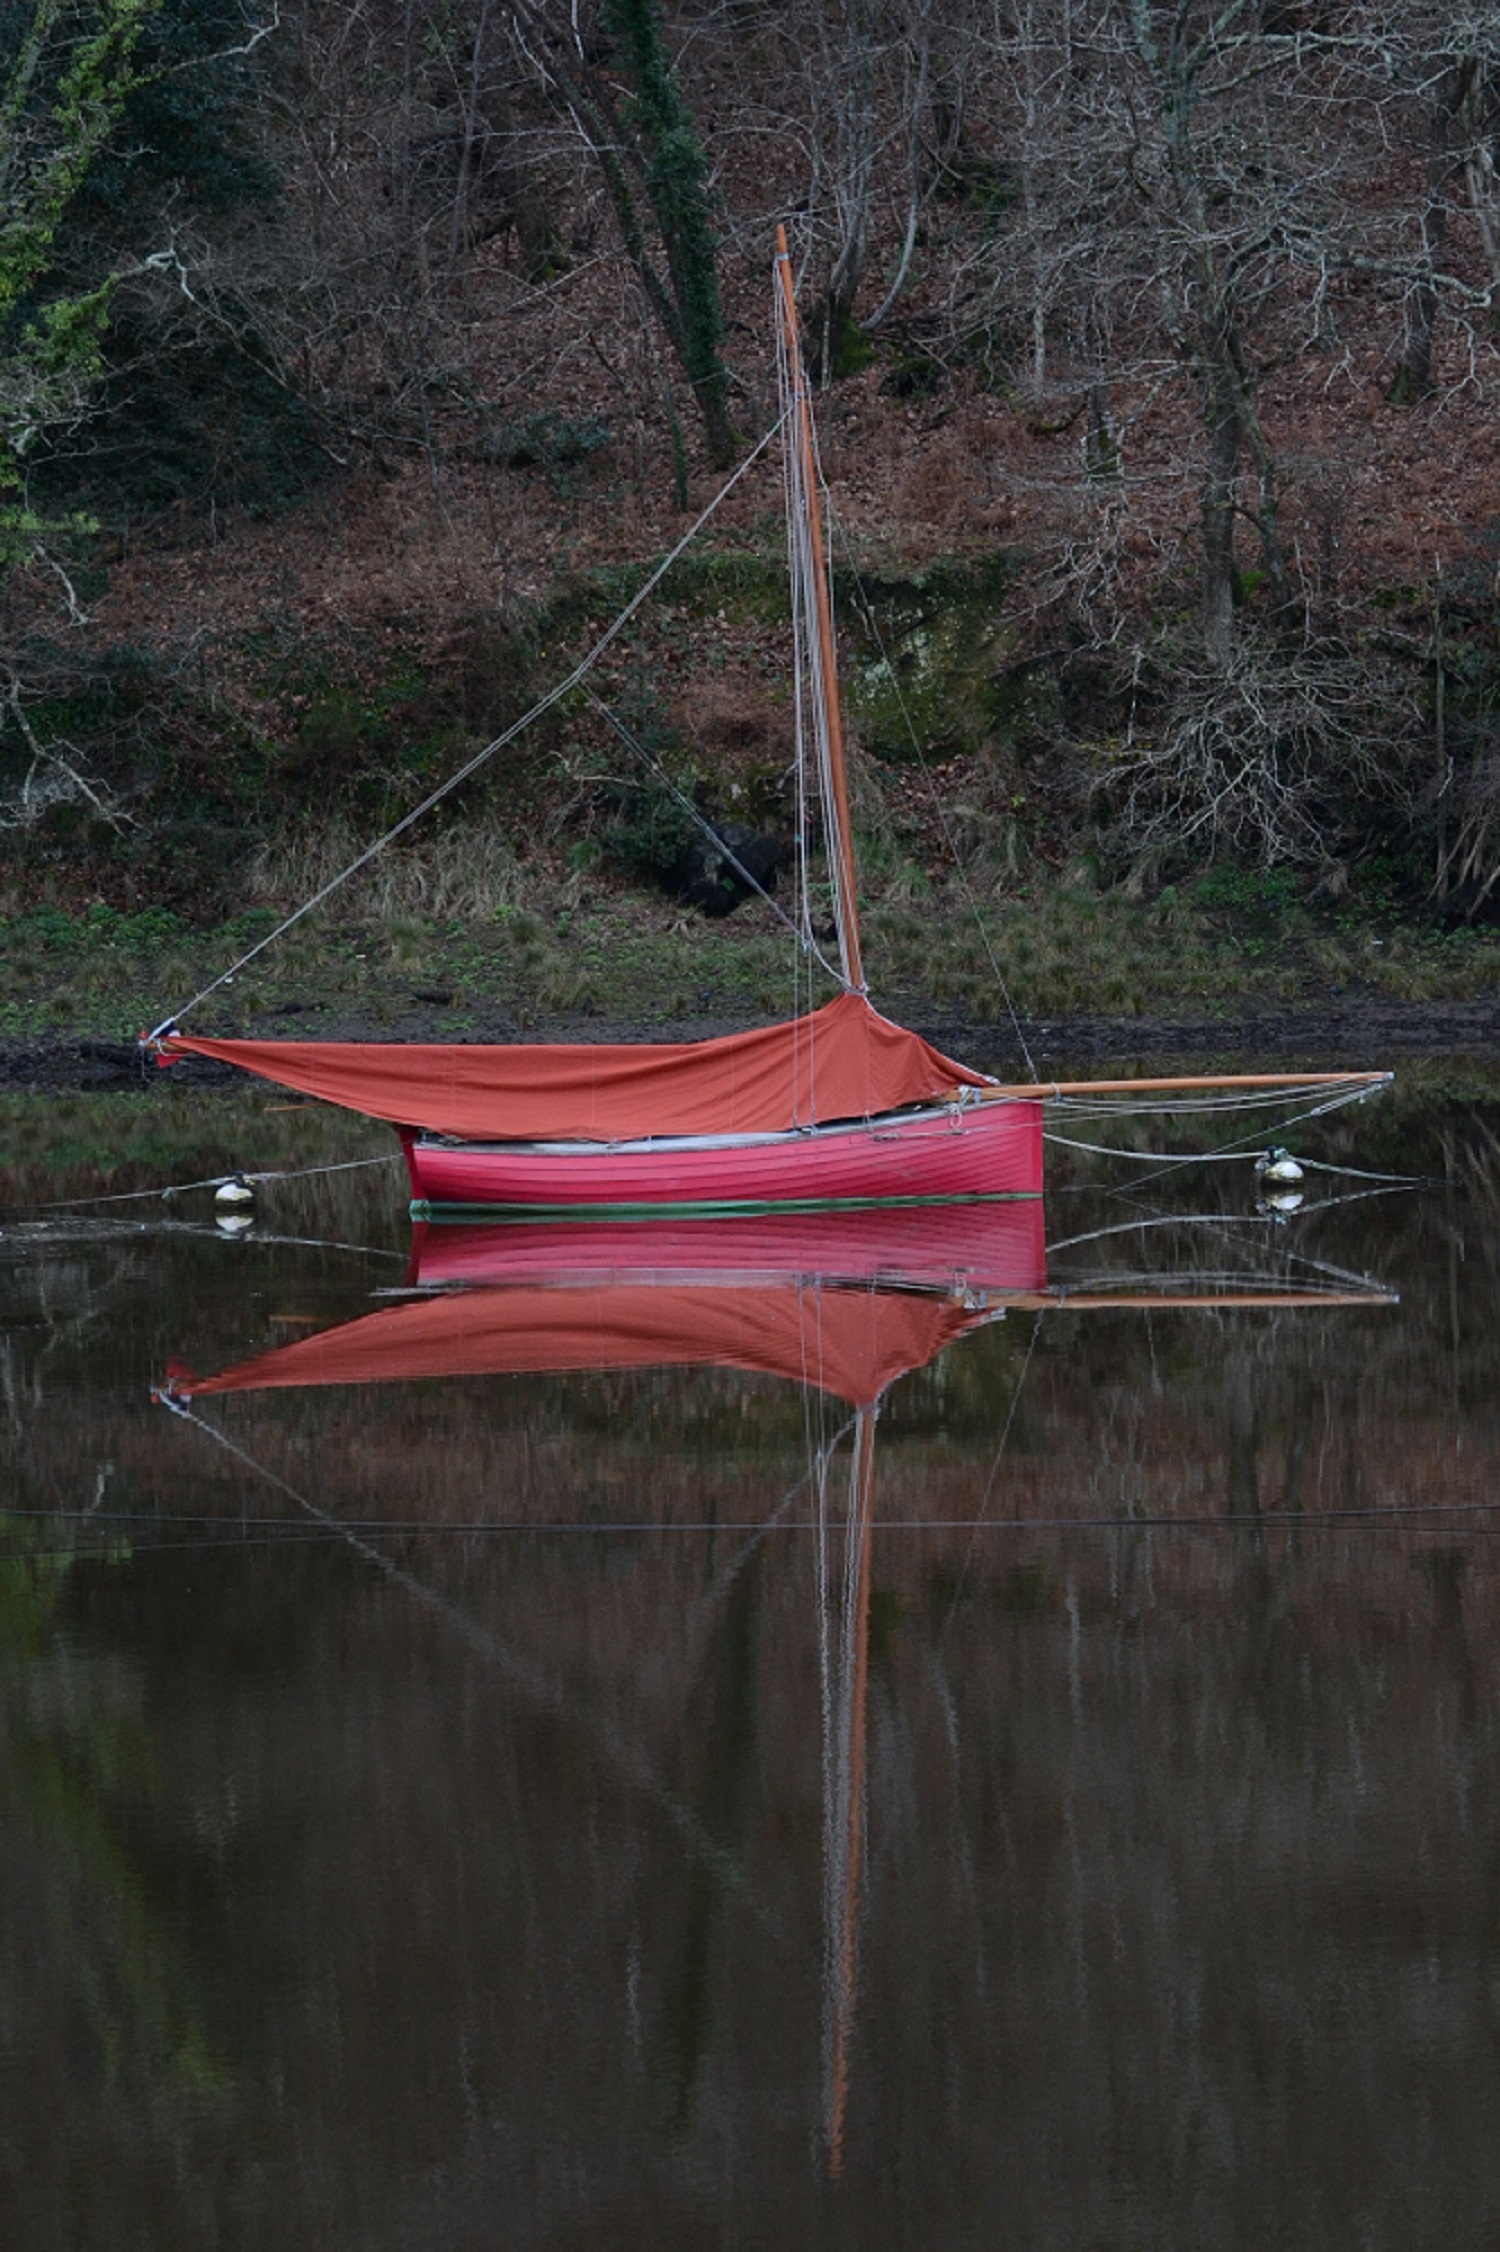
[66,79]
[656,174]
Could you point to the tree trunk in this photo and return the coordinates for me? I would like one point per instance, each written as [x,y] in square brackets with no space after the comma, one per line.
[1220,579]
[848,67]
[1480,118]
[648,152]
[1232,427]
[1453,91]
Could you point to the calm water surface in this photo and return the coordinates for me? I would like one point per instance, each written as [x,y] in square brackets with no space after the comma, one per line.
[535,1809]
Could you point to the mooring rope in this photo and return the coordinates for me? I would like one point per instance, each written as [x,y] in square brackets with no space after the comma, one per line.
[1242,1156]
[294,1531]
[1242,1149]
[210,1181]
[1145,1223]
[471,766]
[519,1670]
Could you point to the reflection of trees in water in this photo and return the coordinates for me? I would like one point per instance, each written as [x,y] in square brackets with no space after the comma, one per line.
[103,1995]
[719,1749]
[1177,1876]
[1150,1886]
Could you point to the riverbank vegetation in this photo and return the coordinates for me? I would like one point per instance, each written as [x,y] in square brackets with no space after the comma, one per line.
[551,960]
[357,364]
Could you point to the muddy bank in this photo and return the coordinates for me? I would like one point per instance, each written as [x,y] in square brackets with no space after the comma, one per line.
[1368,1033]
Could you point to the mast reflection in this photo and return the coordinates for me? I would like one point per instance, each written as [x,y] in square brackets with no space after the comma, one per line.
[842,1303]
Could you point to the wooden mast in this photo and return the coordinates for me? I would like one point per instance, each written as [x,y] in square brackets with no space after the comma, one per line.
[803,439]
[844,1942]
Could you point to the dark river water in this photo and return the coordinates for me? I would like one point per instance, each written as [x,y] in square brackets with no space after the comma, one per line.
[587,1779]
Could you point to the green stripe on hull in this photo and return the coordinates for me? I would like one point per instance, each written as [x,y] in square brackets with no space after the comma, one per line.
[503,1215]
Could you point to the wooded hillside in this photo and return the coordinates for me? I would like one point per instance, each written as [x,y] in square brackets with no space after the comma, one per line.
[358,357]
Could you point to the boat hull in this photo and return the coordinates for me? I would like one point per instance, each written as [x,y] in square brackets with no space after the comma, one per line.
[984,1244]
[928,1156]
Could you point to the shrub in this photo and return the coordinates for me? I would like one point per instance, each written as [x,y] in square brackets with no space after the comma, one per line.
[1274,759]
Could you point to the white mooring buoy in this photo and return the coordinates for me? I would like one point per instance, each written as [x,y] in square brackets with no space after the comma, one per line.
[234,1195]
[1279,1167]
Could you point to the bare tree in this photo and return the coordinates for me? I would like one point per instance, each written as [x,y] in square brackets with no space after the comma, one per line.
[867,97]
[636,123]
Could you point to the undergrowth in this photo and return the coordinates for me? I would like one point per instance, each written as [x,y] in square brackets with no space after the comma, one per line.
[491,947]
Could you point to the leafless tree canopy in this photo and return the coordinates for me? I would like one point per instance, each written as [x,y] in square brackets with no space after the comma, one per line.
[1173,296]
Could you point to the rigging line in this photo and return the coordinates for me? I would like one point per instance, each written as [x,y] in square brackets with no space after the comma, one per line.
[1212,1220]
[1166,1157]
[267,1531]
[805,491]
[759,1535]
[460,1528]
[221,1534]
[1191,1113]
[1396,1180]
[202,1231]
[1221,1223]
[1377,1517]
[1245,1157]
[1082,1107]
[522,1675]
[1158,1220]
[259,1236]
[1241,1145]
[932,791]
[989,1485]
[654,766]
[213,1181]
[1337,1101]
[480,758]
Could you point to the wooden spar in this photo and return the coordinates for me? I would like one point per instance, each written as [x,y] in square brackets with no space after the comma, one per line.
[1047,1090]
[848,897]
[1061,1300]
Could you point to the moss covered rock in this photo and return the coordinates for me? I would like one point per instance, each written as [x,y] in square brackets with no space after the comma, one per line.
[926,656]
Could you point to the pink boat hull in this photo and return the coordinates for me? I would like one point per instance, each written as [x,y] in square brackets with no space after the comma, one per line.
[971,1244]
[990,1149]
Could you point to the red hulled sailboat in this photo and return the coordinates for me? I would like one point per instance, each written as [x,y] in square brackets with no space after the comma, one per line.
[838,1107]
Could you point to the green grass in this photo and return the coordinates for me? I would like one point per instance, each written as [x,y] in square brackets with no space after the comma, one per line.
[568,950]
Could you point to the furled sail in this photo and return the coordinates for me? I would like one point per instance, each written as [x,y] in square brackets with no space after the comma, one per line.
[844,1061]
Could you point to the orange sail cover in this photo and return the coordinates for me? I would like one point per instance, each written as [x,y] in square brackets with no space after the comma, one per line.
[850,1342]
[843,1061]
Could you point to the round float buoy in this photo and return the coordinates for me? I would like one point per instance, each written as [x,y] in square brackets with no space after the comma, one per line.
[1278,1166]
[234,1194]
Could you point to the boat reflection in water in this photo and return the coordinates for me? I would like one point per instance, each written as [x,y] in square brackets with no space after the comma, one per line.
[844,1303]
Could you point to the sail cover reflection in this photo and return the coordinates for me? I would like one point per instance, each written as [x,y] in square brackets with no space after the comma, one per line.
[846,1302]
[831,1299]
